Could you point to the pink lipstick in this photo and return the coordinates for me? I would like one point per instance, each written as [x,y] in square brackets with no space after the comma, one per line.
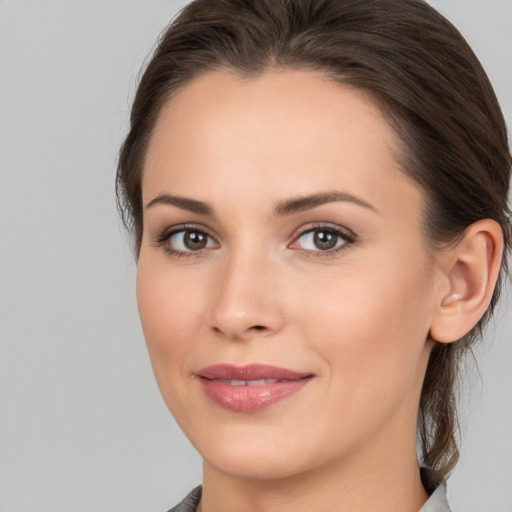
[252,387]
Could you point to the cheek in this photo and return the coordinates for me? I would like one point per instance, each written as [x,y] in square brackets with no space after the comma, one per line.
[371,335]
[171,316]
[370,327]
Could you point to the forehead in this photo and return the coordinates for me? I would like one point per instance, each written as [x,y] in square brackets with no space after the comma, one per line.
[293,130]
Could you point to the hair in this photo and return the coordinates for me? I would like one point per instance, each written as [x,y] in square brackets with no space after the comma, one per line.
[422,74]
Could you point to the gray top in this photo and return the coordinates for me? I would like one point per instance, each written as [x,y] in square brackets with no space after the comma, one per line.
[436,503]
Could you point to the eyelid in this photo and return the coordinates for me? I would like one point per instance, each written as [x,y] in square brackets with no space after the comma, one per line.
[313,226]
[171,230]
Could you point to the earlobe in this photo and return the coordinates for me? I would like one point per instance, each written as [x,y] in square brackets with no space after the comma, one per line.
[471,269]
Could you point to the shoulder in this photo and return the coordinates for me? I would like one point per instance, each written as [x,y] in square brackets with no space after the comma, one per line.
[189,504]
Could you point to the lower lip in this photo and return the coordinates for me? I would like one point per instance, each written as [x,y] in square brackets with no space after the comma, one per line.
[250,398]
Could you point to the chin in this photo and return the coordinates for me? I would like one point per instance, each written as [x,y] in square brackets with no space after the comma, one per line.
[256,454]
[254,466]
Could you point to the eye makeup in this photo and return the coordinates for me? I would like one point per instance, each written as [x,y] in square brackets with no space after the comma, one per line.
[318,240]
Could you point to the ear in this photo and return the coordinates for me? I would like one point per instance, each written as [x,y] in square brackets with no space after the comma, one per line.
[469,272]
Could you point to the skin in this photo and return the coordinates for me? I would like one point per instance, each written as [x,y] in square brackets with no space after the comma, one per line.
[358,318]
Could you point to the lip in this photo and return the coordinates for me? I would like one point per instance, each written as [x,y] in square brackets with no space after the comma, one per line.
[224,385]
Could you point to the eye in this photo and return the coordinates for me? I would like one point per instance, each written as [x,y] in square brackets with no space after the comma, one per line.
[180,241]
[322,239]
[189,240]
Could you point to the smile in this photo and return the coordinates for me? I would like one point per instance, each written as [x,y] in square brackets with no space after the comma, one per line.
[250,388]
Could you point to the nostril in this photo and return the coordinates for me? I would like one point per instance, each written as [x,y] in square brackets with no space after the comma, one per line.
[253,328]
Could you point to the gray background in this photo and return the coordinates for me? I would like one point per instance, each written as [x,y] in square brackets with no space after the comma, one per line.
[82,425]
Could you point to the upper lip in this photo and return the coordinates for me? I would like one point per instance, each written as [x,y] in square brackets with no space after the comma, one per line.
[250,372]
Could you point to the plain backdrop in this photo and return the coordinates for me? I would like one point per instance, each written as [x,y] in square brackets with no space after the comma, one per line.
[82,425]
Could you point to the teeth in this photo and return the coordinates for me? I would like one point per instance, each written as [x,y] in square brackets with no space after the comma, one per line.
[237,383]
[260,382]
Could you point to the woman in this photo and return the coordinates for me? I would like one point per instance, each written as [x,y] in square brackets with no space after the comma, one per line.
[318,196]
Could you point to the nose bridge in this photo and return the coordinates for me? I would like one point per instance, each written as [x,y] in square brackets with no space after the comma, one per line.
[246,302]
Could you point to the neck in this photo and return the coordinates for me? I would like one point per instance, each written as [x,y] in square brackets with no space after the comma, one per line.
[365,483]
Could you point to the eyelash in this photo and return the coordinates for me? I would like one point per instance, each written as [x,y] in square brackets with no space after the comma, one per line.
[344,234]
[169,232]
[347,236]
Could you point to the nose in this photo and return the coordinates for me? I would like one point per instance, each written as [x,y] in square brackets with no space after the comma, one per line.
[246,303]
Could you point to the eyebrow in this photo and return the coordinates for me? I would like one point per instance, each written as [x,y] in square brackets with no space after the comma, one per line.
[281,209]
[300,204]
[184,203]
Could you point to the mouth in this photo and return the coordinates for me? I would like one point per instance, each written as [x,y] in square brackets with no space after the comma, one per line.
[250,388]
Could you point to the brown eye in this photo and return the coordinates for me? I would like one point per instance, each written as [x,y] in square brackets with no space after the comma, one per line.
[194,240]
[322,239]
[189,240]
[325,240]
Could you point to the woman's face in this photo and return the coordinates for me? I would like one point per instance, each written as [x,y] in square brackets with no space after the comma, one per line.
[284,284]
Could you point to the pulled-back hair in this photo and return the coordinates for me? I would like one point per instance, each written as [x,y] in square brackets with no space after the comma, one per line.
[421,73]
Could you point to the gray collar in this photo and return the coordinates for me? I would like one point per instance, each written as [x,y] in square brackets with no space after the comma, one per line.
[436,503]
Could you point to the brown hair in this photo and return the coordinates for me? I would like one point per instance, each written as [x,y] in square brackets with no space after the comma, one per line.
[425,78]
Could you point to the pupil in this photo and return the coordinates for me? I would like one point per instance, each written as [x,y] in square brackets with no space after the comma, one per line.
[325,240]
[194,240]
